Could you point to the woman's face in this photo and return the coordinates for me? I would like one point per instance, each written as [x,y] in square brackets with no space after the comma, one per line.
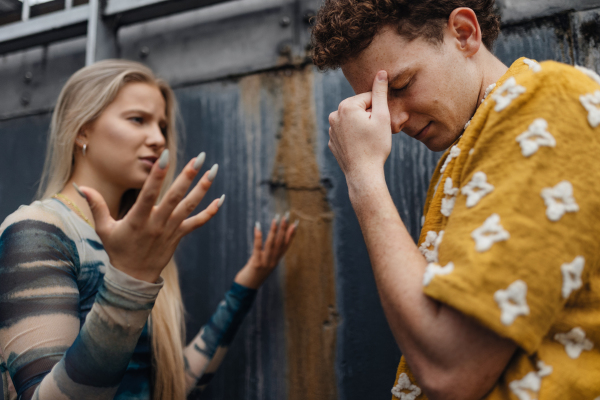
[128,137]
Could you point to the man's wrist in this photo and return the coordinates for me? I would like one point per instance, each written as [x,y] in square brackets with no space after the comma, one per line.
[363,183]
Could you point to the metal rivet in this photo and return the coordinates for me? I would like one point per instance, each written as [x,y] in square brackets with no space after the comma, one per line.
[285,50]
[28,76]
[144,52]
[285,21]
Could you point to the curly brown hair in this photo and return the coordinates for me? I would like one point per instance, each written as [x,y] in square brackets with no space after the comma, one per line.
[344,28]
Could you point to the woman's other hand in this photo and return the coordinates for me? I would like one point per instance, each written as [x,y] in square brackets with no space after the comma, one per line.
[142,243]
[265,258]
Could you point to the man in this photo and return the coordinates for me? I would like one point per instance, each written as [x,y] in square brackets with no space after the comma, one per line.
[501,297]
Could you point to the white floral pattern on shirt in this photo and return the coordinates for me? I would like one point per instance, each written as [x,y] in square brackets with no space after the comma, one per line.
[432,239]
[454,153]
[489,233]
[512,301]
[571,273]
[509,91]
[533,65]
[536,136]
[591,102]
[531,383]
[449,200]
[574,341]
[434,269]
[404,383]
[559,200]
[476,189]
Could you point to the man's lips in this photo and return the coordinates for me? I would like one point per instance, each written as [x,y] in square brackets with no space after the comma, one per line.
[423,132]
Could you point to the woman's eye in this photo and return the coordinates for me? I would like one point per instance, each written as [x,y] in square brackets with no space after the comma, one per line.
[137,120]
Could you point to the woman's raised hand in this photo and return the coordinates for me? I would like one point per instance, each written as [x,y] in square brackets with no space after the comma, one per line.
[265,258]
[142,243]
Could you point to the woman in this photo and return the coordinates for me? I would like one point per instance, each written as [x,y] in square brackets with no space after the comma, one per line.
[82,269]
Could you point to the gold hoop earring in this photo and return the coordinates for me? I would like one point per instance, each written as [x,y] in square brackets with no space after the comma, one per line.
[84,149]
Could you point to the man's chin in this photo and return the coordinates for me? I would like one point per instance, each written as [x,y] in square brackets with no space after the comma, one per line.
[439,143]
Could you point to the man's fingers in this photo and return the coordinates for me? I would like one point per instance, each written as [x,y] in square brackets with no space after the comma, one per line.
[150,191]
[379,94]
[100,212]
[199,219]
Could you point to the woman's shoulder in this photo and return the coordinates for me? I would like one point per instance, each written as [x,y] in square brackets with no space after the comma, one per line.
[45,214]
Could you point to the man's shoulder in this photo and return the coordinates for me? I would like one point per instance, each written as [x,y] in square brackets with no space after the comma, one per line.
[558,79]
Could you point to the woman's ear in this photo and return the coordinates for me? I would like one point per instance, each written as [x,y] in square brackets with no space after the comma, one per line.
[83,136]
[465,30]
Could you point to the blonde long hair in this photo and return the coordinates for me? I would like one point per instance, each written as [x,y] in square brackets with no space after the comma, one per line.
[83,98]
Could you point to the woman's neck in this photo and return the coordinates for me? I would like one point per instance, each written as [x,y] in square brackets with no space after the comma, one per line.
[111,194]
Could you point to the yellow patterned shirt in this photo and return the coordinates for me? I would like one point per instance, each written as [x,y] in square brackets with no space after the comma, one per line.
[512,231]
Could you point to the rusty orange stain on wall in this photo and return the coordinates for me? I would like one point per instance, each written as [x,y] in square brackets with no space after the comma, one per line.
[310,310]
[308,280]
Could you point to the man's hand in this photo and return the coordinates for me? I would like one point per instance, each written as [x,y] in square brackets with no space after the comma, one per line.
[360,135]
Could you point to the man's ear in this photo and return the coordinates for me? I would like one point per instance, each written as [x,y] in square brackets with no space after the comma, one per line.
[465,30]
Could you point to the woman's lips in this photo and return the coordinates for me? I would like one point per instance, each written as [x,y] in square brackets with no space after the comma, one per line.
[423,132]
[148,161]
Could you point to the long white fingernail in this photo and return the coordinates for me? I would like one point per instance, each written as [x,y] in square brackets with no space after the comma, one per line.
[164,159]
[199,161]
[257,226]
[79,191]
[296,223]
[286,217]
[213,172]
[221,201]
[276,219]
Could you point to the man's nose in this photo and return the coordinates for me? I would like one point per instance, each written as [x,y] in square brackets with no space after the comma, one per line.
[398,120]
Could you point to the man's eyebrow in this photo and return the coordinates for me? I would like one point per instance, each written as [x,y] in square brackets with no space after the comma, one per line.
[398,76]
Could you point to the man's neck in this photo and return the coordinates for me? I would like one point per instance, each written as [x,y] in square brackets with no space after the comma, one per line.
[493,70]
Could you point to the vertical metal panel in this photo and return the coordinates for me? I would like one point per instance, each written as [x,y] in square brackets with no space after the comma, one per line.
[543,39]
[101,35]
[261,129]
[586,32]
[514,11]
[25,10]
[21,160]
[241,138]
[31,80]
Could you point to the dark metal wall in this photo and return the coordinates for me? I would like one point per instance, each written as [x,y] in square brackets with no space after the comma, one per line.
[317,330]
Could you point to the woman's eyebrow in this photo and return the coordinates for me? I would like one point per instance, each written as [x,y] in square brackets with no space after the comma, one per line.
[146,113]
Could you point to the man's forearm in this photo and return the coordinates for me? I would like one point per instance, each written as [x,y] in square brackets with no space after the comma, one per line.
[397,264]
[440,344]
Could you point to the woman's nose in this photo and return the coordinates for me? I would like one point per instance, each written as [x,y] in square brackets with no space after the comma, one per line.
[156,136]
